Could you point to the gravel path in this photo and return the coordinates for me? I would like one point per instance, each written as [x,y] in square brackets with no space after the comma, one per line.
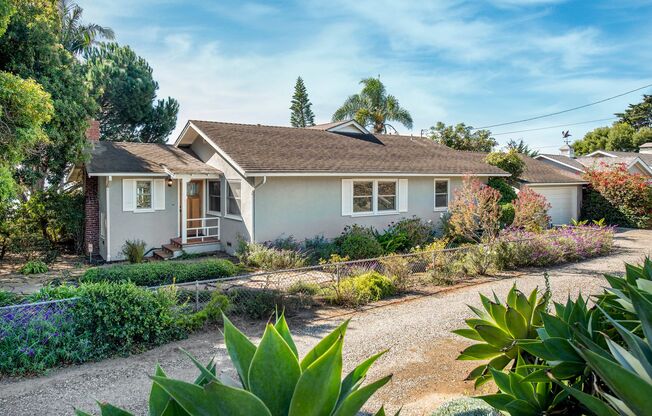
[417,332]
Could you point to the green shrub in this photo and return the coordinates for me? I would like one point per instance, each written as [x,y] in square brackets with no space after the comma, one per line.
[9,298]
[507,192]
[211,313]
[274,380]
[596,207]
[34,267]
[162,273]
[406,234]
[466,406]
[134,250]
[256,303]
[319,248]
[104,319]
[358,242]
[304,288]
[399,270]
[362,289]
[269,258]
[506,215]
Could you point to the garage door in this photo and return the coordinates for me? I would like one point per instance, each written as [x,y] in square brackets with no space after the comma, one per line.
[563,201]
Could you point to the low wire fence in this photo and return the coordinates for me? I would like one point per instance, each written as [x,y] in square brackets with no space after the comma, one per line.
[350,283]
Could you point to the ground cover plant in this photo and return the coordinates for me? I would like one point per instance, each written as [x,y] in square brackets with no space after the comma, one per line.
[162,273]
[578,357]
[273,380]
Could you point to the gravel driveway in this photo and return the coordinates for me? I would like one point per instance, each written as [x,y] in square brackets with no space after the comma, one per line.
[416,330]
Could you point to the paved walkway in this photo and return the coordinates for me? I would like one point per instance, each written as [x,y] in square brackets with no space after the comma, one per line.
[417,332]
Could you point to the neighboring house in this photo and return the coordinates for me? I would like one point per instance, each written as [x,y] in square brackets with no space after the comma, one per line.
[220,183]
[562,188]
[640,162]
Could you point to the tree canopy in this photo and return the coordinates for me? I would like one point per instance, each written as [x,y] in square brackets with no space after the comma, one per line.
[75,36]
[125,90]
[521,147]
[638,115]
[462,137]
[372,106]
[302,115]
[619,137]
[508,161]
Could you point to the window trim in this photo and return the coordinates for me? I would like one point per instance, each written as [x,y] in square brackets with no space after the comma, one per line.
[151,189]
[208,197]
[374,198]
[227,214]
[448,194]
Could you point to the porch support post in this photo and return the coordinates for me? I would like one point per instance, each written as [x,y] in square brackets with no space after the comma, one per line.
[184,210]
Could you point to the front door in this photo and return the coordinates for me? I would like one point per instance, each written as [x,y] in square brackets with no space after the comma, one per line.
[194,208]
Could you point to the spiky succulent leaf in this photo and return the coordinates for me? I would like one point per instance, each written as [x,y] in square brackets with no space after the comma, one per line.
[240,349]
[352,404]
[324,345]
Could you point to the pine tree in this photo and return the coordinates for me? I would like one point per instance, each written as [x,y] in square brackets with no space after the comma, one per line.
[302,115]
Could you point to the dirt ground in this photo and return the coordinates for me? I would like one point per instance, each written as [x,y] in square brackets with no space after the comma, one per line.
[415,329]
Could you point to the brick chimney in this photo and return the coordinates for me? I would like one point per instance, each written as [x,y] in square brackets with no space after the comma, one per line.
[93,131]
[91,200]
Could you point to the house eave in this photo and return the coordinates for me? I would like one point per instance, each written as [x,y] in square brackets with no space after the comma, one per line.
[374,174]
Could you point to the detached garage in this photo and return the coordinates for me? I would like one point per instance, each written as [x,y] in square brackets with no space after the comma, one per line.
[562,189]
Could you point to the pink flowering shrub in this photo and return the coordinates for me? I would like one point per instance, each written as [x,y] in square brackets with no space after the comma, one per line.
[531,211]
[521,248]
[630,194]
[474,212]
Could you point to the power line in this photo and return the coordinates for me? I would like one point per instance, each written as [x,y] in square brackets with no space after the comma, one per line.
[554,127]
[564,111]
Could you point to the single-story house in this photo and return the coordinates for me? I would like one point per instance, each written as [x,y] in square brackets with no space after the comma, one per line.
[636,162]
[220,183]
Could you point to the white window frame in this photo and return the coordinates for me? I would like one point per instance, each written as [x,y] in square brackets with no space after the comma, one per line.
[151,190]
[227,214]
[208,196]
[374,198]
[448,193]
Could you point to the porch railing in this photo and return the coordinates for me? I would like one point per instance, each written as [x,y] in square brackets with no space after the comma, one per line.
[200,229]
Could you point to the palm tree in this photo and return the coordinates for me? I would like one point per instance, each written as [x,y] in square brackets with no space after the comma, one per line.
[75,36]
[373,107]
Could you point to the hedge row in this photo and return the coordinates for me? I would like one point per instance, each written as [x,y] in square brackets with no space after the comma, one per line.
[162,273]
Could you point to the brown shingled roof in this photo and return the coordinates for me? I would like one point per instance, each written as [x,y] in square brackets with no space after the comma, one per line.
[565,160]
[537,171]
[152,158]
[267,149]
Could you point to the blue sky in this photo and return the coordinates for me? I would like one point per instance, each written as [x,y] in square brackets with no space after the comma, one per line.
[478,62]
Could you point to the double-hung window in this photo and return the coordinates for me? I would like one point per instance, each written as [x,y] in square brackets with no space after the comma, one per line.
[442,191]
[143,195]
[374,197]
[234,198]
[214,196]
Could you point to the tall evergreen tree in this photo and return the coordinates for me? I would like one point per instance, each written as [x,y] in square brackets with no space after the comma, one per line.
[302,115]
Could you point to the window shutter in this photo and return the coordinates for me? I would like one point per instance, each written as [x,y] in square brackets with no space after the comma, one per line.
[159,194]
[402,195]
[347,197]
[128,194]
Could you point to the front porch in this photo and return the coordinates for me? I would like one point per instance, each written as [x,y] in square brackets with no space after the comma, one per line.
[198,220]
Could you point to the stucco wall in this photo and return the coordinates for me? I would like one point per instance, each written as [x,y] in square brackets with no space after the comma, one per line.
[155,228]
[232,229]
[307,206]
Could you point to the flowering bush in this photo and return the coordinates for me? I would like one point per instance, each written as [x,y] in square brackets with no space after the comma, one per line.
[474,212]
[531,211]
[630,193]
[519,248]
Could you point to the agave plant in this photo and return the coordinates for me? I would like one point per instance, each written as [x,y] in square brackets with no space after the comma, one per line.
[554,345]
[498,328]
[625,372]
[617,298]
[518,397]
[273,381]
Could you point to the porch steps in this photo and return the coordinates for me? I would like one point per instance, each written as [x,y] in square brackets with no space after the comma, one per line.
[176,247]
